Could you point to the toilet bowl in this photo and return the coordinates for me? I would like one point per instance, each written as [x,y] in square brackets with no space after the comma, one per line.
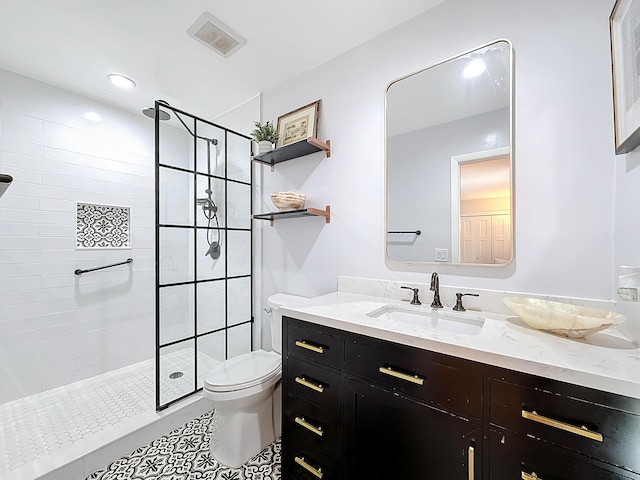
[243,391]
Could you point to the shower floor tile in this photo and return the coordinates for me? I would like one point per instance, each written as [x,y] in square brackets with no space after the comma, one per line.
[41,427]
[184,455]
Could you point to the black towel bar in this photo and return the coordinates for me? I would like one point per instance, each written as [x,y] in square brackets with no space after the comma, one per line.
[416,232]
[80,272]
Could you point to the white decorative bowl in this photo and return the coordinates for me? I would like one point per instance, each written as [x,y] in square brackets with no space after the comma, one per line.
[288,200]
[568,320]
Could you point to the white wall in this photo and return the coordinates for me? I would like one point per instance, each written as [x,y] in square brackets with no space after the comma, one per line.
[56,327]
[564,160]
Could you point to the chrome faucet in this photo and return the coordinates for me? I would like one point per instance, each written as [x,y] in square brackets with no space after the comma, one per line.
[435,288]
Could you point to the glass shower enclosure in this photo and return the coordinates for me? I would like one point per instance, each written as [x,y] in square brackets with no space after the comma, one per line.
[204,287]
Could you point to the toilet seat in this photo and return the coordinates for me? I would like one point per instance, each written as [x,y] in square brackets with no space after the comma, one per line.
[244,371]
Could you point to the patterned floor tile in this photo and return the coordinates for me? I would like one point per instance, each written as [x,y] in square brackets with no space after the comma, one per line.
[184,455]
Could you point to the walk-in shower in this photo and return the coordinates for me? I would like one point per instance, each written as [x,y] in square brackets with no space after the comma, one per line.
[78,367]
[203,251]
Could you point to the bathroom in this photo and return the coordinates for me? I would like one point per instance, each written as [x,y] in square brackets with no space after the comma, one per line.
[575,200]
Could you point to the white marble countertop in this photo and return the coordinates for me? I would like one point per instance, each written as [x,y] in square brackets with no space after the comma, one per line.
[605,361]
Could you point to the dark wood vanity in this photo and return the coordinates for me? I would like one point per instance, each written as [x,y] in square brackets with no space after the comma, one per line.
[356,407]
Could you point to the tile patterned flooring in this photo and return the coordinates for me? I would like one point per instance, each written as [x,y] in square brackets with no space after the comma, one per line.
[184,455]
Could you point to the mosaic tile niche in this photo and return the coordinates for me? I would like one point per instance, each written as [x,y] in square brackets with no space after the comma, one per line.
[102,226]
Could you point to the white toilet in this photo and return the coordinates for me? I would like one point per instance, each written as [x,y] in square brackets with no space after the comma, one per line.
[244,391]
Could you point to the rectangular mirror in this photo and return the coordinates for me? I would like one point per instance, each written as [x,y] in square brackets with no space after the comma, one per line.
[449,164]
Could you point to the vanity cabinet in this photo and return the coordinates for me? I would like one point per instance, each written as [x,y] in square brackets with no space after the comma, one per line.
[389,435]
[312,432]
[516,456]
[360,408]
[558,430]
[405,418]
[357,407]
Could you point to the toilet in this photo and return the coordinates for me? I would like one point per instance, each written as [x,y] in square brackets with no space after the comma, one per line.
[245,394]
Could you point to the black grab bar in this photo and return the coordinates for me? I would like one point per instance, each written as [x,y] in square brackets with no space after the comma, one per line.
[80,272]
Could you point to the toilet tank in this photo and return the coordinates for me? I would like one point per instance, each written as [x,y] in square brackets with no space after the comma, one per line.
[275,302]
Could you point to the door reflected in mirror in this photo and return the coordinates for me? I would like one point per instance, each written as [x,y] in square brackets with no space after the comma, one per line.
[449,162]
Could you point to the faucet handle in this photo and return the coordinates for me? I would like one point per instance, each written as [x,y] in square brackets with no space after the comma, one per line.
[415,300]
[459,307]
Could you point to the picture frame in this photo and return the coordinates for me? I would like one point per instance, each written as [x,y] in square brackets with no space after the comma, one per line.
[625,66]
[299,124]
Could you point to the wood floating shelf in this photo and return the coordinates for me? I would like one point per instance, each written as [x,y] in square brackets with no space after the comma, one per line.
[293,150]
[303,212]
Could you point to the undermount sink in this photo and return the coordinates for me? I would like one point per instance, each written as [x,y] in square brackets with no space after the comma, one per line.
[454,322]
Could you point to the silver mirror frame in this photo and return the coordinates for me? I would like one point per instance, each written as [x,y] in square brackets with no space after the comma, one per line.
[511,164]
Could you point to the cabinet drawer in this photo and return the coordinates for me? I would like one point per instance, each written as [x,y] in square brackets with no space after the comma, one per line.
[306,421]
[305,462]
[598,431]
[418,373]
[515,456]
[314,345]
[313,383]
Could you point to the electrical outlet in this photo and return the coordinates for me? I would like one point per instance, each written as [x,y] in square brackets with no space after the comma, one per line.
[442,255]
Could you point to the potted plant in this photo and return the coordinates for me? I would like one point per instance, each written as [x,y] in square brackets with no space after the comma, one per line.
[265,135]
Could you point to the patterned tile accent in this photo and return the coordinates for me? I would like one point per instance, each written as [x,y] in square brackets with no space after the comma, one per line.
[184,455]
[102,226]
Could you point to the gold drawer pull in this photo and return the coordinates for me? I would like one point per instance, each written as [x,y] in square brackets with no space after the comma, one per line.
[318,387]
[317,430]
[403,376]
[316,471]
[582,431]
[472,461]
[309,346]
[530,476]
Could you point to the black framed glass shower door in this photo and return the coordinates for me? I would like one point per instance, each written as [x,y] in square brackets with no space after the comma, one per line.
[204,288]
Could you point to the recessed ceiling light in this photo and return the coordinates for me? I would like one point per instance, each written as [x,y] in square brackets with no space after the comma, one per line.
[93,116]
[121,81]
[474,68]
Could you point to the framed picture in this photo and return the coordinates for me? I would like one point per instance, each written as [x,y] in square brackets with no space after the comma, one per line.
[625,61]
[299,124]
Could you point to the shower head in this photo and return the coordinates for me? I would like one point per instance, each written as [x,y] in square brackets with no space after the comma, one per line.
[151,113]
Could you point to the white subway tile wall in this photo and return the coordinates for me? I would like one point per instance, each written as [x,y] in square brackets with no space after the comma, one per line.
[58,327]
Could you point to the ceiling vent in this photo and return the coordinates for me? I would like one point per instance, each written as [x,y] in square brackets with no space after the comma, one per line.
[213,33]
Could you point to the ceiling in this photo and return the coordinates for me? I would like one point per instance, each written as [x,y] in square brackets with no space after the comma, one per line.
[74,44]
